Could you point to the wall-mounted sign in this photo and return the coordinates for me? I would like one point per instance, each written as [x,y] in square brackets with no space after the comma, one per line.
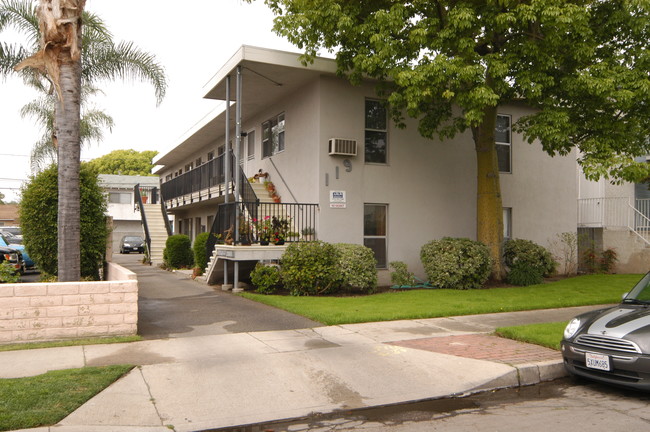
[337,199]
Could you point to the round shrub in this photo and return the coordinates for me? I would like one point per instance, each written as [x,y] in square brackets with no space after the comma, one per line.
[178,252]
[523,274]
[519,251]
[200,255]
[38,217]
[266,278]
[401,276]
[357,266]
[456,263]
[310,268]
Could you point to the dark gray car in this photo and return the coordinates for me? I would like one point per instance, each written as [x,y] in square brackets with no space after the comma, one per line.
[612,345]
[131,244]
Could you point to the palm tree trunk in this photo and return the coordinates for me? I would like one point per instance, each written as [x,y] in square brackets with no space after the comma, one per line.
[489,208]
[67,132]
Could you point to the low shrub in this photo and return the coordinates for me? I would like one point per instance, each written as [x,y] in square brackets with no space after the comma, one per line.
[520,251]
[357,266]
[603,262]
[456,263]
[178,252]
[310,268]
[200,256]
[8,273]
[523,274]
[266,278]
[401,276]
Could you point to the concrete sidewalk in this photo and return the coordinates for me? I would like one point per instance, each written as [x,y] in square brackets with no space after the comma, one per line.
[206,382]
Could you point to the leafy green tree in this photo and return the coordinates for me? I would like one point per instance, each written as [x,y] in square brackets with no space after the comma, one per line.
[2,198]
[582,64]
[38,217]
[52,59]
[125,162]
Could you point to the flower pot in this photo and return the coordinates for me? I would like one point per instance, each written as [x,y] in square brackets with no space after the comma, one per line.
[264,242]
[279,243]
[144,199]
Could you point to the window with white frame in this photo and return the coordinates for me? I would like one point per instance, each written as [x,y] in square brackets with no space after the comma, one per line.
[507,223]
[376,132]
[503,138]
[375,231]
[273,136]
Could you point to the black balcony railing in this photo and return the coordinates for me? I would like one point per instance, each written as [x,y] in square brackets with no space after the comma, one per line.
[206,177]
[267,221]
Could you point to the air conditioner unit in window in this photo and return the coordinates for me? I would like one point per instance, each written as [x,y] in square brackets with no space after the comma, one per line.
[342,147]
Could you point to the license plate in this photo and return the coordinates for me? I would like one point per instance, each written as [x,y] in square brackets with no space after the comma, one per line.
[597,361]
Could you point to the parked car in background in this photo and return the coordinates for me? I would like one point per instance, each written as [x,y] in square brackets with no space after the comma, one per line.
[612,345]
[28,263]
[12,256]
[131,244]
[12,231]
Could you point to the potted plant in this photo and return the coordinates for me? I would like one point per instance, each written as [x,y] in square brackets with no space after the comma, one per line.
[308,233]
[279,230]
[263,229]
[244,232]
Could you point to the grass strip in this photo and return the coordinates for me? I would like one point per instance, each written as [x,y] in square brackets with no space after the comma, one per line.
[48,398]
[431,303]
[546,334]
[71,342]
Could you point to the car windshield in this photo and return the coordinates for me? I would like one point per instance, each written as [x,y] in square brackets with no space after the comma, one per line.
[640,294]
[132,239]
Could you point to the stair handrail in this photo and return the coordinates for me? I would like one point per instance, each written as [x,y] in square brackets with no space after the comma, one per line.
[143,218]
[637,214]
[283,181]
[163,209]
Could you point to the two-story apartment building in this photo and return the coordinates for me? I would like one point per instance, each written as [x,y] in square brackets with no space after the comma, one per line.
[327,142]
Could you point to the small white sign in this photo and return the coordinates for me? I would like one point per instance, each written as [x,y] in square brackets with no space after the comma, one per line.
[337,196]
[337,199]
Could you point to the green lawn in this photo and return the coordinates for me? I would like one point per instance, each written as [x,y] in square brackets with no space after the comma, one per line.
[414,304]
[546,334]
[47,399]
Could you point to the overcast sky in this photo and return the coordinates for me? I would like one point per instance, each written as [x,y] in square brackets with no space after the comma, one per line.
[191,39]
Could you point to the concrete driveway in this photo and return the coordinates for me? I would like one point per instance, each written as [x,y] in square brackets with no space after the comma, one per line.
[172,305]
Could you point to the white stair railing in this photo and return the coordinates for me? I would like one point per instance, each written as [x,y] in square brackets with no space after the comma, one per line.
[618,212]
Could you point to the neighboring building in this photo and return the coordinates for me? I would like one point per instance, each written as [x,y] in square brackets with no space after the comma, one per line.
[121,203]
[325,141]
[9,215]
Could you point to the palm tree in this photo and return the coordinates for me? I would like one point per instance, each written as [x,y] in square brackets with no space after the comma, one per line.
[57,26]
[102,59]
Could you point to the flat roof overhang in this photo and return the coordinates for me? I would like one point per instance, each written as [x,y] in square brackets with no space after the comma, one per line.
[267,76]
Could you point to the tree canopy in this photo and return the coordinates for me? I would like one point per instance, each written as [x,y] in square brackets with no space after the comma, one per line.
[125,162]
[584,65]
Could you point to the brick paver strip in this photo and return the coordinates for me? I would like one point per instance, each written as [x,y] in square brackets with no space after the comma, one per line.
[483,347]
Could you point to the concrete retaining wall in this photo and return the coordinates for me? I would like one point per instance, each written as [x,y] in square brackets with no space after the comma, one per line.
[31,312]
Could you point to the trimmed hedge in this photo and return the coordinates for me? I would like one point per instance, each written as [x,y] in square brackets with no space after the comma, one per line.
[200,255]
[310,268]
[266,278]
[358,267]
[178,252]
[38,216]
[520,252]
[456,263]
